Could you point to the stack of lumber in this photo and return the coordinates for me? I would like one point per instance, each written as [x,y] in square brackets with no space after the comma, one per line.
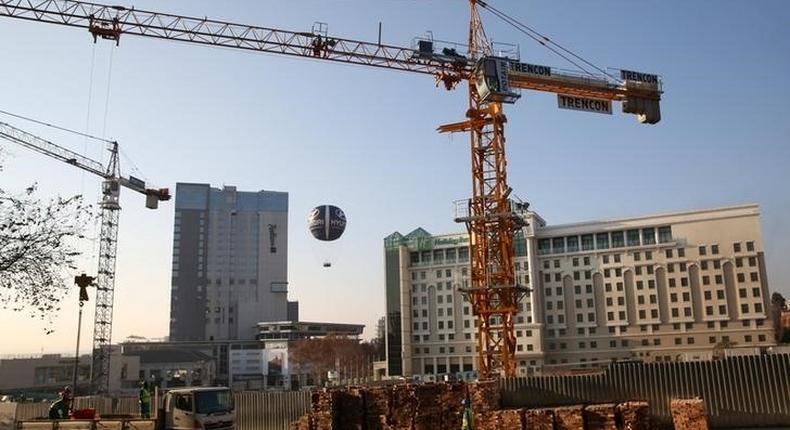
[539,419]
[633,416]
[600,417]
[689,414]
[569,417]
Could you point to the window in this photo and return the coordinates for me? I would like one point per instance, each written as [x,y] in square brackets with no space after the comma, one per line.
[618,241]
[670,268]
[648,236]
[702,250]
[586,261]
[665,234]
[714,249]
[739,262]
[756,292]
[578,290]
[556,264]
[736,247]
[648,255]
[719,280]
[706,280]
[638,270]
[761,338]
[587,242]
[558,245]
[668,253]
[752,261]
[750,246]
[745,308]
[573,243]
[617,258]
[544,246]
[716,264]
[753,277]
[602,240]
[558,277]
[758,307]
[722,309]
[703,264]
[607,273]
[637,257]
[576,262]
[681,252]
[633,237]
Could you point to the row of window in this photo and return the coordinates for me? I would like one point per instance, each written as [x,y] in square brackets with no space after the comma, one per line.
[439,256]
[604,240]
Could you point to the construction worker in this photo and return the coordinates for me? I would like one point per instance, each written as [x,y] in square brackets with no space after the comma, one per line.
[468,420]
[60,409]
[145,400]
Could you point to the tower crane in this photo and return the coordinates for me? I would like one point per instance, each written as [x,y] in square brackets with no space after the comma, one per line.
[108,238]
[493,79]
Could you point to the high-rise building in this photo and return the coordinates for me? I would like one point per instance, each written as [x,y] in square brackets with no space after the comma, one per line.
[230,259]
[680,286]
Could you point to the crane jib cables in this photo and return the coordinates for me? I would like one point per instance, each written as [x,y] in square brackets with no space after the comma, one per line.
[544,40]
[68,130]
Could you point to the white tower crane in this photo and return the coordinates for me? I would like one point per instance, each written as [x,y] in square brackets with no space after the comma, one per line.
[108,239]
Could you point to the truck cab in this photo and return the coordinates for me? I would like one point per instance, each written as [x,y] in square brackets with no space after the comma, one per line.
[199,408]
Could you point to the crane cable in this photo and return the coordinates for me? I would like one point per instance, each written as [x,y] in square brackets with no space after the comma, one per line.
[68,130]
[543,39]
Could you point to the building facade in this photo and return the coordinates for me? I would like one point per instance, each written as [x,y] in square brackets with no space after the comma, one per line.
[230,259]
[681,286]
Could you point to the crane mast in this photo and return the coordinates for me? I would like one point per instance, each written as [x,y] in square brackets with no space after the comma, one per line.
[108,237]
[492,80]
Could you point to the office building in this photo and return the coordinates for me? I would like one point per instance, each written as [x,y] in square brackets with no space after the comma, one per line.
[230,259]
[682,286]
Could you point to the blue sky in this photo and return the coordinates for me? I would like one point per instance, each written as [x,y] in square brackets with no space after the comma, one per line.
[364,139]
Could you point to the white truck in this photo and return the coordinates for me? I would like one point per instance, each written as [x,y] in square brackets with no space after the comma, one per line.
[195,408]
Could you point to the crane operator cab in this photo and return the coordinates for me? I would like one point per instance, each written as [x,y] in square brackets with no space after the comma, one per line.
[492,80]
[111,191]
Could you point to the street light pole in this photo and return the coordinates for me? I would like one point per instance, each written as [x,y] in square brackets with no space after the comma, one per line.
[83,282]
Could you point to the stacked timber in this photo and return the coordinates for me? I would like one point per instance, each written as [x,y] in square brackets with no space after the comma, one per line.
[324,404]
[485,396]
[429,410]
[303,423]
[633,416]
[451,400]
[569,417]
[377,407]
[600,417]
[350,410]
[510,419]
[689,414]
[404,407]
[539,419]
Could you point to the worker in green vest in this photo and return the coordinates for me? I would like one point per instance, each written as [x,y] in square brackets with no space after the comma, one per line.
[145,400]
[468,420]
[59,410]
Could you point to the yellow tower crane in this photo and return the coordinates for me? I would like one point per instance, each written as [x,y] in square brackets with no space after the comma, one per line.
[493,78]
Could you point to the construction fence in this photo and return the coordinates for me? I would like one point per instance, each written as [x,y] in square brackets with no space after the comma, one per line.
[255,410]
[737,391]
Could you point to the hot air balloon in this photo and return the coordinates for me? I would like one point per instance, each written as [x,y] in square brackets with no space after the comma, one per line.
[326,223]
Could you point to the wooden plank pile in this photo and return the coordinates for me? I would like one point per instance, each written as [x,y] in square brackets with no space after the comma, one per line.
[485,396]
[350,410]
[377,402]
[439,406]
[600,417]
[451,399]
[569,417]
[404,406]
[324,404]
[428,414]
[689,414]
[634,416]
[539,419]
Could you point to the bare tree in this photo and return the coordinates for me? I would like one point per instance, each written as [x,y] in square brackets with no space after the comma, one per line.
[38,249]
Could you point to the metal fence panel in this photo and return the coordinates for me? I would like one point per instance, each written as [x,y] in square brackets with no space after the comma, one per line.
[738,391]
